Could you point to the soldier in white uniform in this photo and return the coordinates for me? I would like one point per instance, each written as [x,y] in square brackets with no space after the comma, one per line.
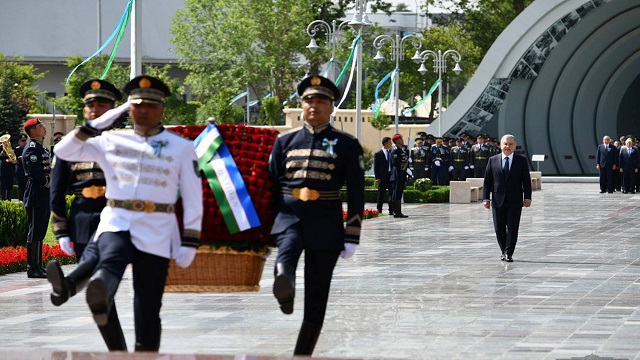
[146,169]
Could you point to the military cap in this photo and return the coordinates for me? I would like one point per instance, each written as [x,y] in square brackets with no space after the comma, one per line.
[421,133]
[418,139]
[439,139]
[460,139]
[396,137]
[96,89]
[317,85]
[58,133]
[147,88]
[31,122]
[22,137]
[429,136]
[480,136]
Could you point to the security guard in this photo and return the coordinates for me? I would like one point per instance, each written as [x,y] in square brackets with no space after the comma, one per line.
[399,166]
[86,180]
[419,160]
[145,169]
[309,165]
[459,161]
[439,163]
[480,154]
[36,161]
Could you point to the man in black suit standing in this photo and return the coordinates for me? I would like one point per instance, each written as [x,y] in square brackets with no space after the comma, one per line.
[382,172]
[606,163]
[629,161]
[507,188]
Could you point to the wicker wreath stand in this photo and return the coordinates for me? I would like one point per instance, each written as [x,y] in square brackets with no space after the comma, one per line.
[218,270]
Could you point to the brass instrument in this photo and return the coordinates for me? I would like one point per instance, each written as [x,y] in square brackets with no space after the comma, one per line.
[6,145]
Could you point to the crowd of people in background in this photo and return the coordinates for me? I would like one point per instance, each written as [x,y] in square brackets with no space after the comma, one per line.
[618,162]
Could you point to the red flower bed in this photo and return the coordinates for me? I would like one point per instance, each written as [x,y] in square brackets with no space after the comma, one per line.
[14,258]
[250,148]
[368,214]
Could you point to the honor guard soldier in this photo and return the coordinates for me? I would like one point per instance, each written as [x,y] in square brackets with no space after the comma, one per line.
[399,166]
[419,160]
[146,168]
[86,181]
[459,161]
[309,165]
[480,154]
[36,161]
[439,163]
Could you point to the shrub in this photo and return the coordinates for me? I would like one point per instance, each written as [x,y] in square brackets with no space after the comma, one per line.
[423,184]
[13,223]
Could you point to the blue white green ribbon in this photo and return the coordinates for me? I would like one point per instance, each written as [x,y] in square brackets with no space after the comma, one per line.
[431,90]
[229,189]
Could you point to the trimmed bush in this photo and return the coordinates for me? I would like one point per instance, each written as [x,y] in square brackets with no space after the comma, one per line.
[13,223]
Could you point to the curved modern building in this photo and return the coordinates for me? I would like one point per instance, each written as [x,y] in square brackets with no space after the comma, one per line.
[562,75]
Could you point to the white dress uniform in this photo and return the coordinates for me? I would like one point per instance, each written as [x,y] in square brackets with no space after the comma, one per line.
[156,169]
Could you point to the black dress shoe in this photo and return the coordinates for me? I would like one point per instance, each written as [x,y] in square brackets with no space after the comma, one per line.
[610,192]
[284,293]
[601,192]
[36,273]
[509,258]
[400,216]
[60,293]
[503,257]
[391,212]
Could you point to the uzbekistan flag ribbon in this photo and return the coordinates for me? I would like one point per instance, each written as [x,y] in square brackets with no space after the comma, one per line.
[225,180]
[433,88]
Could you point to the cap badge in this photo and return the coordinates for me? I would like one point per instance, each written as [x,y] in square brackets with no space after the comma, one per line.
[144,83]
[95,85]
[315,81]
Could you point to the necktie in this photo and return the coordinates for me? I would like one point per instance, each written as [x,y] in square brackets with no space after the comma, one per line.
[505,169]
[388,159]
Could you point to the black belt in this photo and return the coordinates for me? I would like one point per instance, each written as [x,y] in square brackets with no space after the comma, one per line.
[306,194]
[140,205]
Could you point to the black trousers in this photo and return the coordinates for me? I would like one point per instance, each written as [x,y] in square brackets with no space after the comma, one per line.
[318,271]
[383,186]
[38,218]
[629,180]
[606,179]
[397,189]
[149,278]
[506,221]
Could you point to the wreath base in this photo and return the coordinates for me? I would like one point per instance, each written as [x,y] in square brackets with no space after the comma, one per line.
[218,270]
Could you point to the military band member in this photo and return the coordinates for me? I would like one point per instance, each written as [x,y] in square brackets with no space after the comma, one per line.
[480,154]
[7,172]
[309,165]
[87,182]
[439,163]
[459,161]
[419,160]
[36,161]
[399,166]
[145,168]
[20,176]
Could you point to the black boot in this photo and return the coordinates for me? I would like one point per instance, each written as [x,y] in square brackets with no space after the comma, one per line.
[307,338]
[100,292]
[33,270]
[140,347]
[66,287]
[398,210]
[284,287]
[112,332]
[40,263]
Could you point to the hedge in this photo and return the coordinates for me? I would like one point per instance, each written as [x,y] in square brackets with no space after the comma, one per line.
[436,194]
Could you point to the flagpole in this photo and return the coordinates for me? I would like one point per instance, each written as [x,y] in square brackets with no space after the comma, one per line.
[136,37]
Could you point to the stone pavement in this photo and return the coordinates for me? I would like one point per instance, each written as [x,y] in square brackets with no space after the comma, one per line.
[428,287]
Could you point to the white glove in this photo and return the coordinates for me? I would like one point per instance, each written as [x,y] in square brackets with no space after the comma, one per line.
[105,120]
[466,168]
[184,256]
[65,245]
[410,161]
[471,166]
[450,168]
[436,163]
[349,250]
[409,172]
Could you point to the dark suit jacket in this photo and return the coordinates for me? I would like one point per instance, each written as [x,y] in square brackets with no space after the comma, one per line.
[607,156]
[514,189]
[629,160]
[381,166]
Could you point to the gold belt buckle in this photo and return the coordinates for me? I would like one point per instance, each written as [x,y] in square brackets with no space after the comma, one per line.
[94,191]
[305,194]
[144,206]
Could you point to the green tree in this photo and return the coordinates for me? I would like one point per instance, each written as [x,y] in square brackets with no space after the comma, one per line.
[17,94]
[272,111]
[176,110]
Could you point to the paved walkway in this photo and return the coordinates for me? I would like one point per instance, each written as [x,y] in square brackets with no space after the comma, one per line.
[428,287]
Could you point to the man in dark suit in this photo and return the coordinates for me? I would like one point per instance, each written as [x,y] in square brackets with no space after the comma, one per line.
[606,163]
[507,188]
[399,165]
[382,172]
[629,160]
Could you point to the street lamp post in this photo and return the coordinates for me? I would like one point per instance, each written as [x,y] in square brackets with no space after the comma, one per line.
[440,66]
[332,34]
[359,21]
[397,52]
